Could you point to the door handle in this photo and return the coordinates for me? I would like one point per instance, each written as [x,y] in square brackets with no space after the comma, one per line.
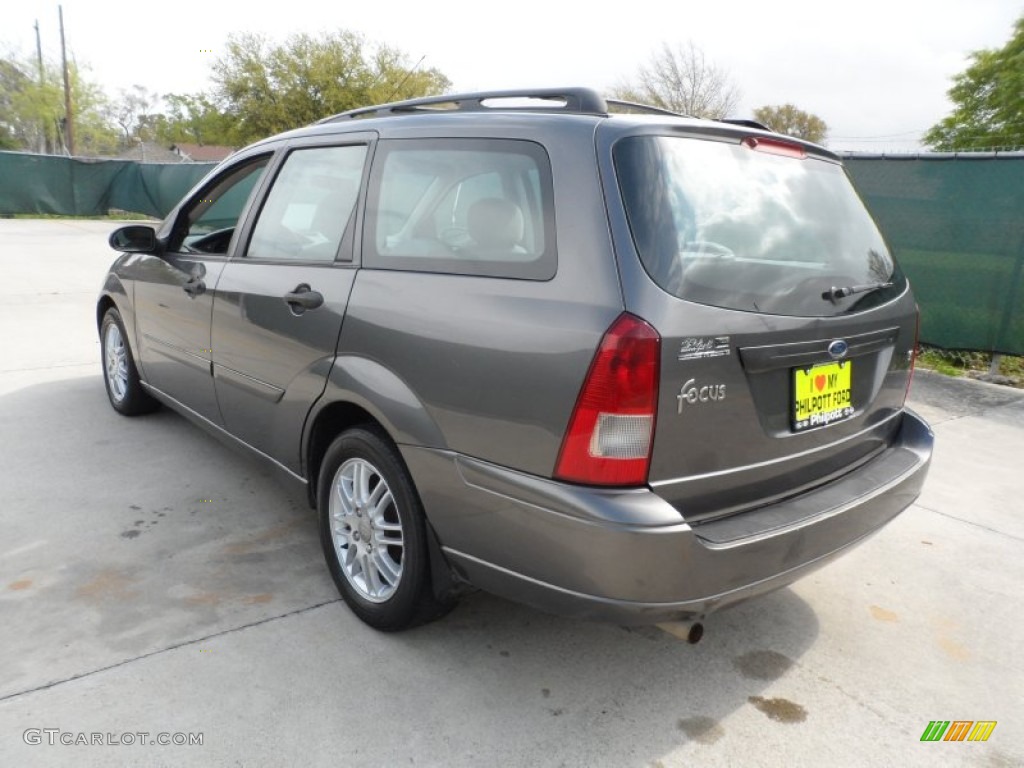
[194,287]
[303,298]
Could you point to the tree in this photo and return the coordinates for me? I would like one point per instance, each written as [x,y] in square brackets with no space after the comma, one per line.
[681,79]
[988,101]
[132,111]
[196,119]
[32,108]
[791,121]
[267,88]
[93,132]
[16,129]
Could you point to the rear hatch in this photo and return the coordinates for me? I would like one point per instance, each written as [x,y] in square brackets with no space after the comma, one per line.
[787,327]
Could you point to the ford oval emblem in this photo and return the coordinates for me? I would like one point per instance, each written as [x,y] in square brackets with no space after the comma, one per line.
[838,349]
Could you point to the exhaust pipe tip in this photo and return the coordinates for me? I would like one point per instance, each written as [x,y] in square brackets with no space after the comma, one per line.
[695,634]
[690,631]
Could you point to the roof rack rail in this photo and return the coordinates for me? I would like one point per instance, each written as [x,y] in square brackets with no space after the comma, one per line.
[583,101]
[746,123]
[645,109]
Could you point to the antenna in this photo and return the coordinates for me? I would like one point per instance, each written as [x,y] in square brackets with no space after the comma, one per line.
[407,76]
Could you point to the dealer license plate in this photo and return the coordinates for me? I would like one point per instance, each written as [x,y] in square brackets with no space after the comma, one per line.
[821,395]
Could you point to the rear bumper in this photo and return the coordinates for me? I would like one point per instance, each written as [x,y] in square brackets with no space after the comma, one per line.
[628,556]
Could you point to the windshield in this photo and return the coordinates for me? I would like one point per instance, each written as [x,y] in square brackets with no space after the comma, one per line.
[727,225]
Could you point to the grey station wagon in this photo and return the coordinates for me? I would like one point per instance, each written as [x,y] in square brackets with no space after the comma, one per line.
[632,367]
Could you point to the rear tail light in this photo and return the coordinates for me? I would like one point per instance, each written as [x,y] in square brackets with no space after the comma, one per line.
[775,147]
[610,433]
[913,352]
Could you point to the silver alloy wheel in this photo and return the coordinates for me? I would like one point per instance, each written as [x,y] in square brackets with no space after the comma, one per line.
[116,362]
[366,530]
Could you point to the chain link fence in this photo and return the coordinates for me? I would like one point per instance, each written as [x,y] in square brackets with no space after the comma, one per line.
[956,223]
[72,186]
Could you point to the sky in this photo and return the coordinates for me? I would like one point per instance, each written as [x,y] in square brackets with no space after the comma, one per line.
[876,71]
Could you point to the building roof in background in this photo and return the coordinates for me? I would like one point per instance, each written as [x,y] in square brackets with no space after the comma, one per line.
[199,153]
[149,152]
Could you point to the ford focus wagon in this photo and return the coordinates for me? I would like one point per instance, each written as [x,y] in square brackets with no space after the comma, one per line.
[605,360]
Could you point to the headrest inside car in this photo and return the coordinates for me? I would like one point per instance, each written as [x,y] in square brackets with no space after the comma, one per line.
[495,223]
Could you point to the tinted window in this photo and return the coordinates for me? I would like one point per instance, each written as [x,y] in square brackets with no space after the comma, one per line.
[310,205]
[727,225]
[465,206]
[210,219]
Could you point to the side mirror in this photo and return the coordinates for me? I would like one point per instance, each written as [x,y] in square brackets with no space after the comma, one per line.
[135,238]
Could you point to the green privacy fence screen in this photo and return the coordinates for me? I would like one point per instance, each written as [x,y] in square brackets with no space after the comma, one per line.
[956,223]
[85,187]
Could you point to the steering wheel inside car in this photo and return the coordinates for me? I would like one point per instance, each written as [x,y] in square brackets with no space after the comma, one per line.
[214,242]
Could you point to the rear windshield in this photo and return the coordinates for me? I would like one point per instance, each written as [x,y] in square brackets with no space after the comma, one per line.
[727,225]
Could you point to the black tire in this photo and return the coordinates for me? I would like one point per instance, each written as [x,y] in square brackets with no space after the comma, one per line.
[120,375]
[356,544]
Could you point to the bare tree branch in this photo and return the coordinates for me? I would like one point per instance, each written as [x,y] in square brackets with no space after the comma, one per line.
[681,79]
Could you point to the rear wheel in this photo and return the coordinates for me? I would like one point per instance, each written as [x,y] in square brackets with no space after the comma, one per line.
[373,532]
[119,373]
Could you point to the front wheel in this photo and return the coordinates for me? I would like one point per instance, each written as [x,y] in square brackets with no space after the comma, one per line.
[373,532]
[119,373]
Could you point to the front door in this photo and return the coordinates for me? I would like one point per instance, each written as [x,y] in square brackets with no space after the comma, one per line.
[174,291]
[279,304]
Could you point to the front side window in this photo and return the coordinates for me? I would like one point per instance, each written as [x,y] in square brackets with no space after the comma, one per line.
[462,206]
[725,224]
[310,206]
[209,222]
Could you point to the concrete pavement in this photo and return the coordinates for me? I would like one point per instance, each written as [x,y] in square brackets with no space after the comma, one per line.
[152,580]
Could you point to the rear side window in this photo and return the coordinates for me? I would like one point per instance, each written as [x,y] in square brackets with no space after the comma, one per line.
[727,225]
[461,206]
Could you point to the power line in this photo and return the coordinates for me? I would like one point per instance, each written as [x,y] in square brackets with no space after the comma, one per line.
[880,135]
[1015,131]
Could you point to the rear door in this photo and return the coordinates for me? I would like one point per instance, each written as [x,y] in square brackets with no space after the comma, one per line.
[786,324]
[280,302]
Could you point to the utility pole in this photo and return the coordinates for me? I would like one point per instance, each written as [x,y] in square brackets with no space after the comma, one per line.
[39,52]
[42,79]
[69,116]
